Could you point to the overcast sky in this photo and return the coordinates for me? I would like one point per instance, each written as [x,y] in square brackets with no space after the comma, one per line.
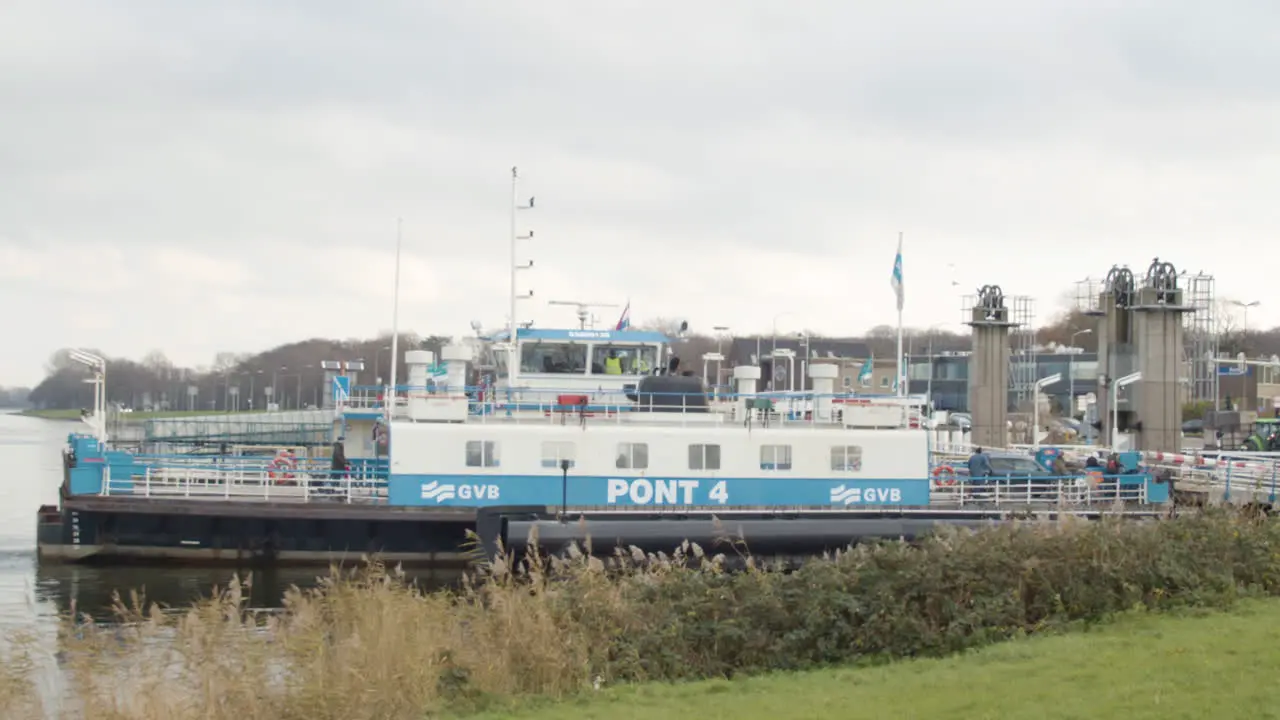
[196,177]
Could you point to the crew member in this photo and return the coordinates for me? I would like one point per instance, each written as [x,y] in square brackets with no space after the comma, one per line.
[613,364]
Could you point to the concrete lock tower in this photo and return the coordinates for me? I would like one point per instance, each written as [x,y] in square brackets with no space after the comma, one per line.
[989,368]
[1140,330]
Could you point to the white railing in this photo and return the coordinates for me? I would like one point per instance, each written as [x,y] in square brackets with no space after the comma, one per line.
[241,484]
[1072,491]
[772,409]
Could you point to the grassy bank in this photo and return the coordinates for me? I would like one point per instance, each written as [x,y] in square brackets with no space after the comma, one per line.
[1143,666]
[365,647]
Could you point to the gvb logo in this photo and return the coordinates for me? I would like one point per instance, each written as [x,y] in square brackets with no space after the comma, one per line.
[435,491]
[844,495]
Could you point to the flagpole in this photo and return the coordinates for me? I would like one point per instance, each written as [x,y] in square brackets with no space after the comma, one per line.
[902,390]
[390,394]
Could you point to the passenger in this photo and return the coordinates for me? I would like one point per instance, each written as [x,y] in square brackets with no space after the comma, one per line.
[1059,466]
[979,464]
[339,466]
[640,366]
[613,364]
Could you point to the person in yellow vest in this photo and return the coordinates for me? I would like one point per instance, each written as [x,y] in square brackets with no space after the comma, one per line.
[613,364]
[640,366]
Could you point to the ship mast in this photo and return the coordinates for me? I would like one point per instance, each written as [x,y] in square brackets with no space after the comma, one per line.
[512,323]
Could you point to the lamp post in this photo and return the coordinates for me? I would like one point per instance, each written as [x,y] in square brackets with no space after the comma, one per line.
[1042,383]
[1115,403]
[1071,374]
[377,365]
[1244,322]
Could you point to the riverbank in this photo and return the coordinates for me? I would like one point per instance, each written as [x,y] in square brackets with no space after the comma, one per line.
[368,646]
[1140,666]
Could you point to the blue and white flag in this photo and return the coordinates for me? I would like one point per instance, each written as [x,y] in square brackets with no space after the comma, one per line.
[896,280]
[864,375]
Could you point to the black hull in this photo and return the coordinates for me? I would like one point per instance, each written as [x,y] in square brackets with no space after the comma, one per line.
[100,530]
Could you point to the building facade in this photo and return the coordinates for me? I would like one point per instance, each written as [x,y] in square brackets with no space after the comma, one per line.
[949,385]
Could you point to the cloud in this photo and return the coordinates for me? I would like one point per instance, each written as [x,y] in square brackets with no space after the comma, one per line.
[228,176]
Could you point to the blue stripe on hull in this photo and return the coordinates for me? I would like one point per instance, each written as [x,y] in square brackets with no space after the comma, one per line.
[497,490]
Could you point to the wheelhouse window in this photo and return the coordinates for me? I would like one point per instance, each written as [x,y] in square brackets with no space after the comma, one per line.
[482,453]
[704,457]
[633,456]
[775,457]
[846,458]
[623,359]
[553,357]
[554,452]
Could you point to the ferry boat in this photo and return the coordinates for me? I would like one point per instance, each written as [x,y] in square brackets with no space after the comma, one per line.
[576,433]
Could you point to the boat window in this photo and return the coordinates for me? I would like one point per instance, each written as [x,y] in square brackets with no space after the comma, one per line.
[775,457]
[846,458]
[545,357]
[623,359]
[704,457]
[482,453]
[633,456]
[554,452]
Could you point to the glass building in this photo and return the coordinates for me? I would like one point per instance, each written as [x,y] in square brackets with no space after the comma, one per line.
[950,382]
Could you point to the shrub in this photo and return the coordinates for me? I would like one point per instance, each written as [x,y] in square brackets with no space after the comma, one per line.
[366,645]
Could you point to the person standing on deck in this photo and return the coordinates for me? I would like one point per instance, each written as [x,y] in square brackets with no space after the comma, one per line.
[979,464]
[338,467]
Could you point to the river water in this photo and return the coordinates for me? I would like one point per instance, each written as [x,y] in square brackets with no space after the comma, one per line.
[33,596]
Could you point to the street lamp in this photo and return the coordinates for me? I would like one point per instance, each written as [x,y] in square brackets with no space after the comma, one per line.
[1071,375]
[1244,324]
[1115,404]
[1041,384]
[377,364]
[720,331]
[98,366]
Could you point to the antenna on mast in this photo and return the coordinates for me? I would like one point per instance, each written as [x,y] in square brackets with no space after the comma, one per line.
[584,310]
[512,322]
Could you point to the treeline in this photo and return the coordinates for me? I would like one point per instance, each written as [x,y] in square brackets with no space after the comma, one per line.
[292,377]
[14,397]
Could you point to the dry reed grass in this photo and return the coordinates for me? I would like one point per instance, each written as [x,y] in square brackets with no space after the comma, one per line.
[365,645]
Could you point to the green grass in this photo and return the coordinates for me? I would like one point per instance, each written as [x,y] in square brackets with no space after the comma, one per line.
[1140,666]
[75,414]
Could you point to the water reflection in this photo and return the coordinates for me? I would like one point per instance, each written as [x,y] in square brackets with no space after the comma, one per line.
[89,589]
[32,595]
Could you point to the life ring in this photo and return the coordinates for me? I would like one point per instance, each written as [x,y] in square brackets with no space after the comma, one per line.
[282,467]
[1096,476]
[944,475]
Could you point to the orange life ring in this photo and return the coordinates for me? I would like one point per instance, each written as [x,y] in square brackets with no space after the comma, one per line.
[944,475]
[282,467]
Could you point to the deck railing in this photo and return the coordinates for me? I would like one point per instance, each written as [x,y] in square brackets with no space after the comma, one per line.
[488,404]
[1089,489]
[247,483]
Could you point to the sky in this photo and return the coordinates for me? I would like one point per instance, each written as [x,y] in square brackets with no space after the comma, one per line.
[205,177]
